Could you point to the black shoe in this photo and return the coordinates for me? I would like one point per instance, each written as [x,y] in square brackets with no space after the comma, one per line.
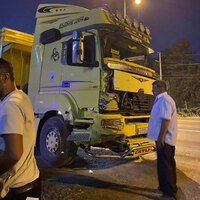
[169,196]
[160,189]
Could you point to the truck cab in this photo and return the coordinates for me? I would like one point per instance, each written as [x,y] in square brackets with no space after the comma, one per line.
[90,82]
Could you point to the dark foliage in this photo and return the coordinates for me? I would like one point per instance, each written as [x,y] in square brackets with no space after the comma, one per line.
[182,72]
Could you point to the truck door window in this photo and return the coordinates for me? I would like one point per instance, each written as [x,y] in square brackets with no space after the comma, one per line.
[89,51]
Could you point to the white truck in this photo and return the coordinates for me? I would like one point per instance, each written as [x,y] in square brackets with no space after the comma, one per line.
[89,82]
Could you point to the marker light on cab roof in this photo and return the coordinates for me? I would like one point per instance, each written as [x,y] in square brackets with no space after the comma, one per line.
[147,31]
[118,14]
[128,20]
[142,29]
[135,24]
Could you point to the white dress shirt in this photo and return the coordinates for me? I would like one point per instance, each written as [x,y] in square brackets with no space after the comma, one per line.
[164,108]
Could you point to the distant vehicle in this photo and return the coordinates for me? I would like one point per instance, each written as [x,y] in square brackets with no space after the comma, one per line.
[89,80]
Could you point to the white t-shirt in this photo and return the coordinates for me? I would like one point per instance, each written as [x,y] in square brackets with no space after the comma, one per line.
[16,116]
[164,108]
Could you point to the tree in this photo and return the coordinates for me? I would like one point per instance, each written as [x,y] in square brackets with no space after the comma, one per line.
[183,74]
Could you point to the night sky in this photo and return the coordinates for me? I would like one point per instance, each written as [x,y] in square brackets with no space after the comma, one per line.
[168,20]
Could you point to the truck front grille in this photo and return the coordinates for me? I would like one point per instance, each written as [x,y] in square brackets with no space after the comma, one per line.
[135,104]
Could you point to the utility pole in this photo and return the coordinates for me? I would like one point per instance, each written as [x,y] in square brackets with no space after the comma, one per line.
[160,64]
[1,45]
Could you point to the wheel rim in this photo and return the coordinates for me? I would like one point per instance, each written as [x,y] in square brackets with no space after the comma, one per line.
[52,140]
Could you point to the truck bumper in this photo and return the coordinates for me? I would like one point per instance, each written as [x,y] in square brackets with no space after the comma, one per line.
[128,126]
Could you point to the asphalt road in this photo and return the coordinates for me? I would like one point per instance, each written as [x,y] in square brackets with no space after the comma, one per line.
[111,178]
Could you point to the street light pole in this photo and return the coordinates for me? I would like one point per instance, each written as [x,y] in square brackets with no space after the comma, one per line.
[137,2]
[124,9]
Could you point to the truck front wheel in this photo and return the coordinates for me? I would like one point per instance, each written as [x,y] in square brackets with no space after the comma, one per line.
[55,150]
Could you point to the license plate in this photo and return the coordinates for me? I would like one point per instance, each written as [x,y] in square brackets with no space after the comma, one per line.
[142,151]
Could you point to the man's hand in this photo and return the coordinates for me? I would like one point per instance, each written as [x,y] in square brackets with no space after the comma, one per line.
[160,142]
[163,130]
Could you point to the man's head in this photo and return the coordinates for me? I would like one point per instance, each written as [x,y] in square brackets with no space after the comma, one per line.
[6,78]
[158,87]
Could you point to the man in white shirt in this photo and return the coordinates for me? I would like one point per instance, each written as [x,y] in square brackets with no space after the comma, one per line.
[19,174]
[162,128]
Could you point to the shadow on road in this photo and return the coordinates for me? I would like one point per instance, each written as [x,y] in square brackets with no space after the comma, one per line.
[75,183]
[83,161]
[99,187]
[110,187]
[92,188]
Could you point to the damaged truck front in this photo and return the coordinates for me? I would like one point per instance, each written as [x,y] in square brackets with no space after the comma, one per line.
[90,82]
[126,91]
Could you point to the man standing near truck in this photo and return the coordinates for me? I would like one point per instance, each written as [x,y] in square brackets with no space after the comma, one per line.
[162,128]
[19,174]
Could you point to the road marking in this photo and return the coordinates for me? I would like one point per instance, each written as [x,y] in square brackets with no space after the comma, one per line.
[189,130]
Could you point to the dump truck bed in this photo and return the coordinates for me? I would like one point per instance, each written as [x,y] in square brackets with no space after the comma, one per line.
[15,47]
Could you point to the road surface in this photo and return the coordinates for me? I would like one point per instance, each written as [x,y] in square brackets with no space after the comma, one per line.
[110,178]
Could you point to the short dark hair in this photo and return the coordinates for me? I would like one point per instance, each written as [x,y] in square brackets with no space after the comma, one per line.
[6,67]
[160,84]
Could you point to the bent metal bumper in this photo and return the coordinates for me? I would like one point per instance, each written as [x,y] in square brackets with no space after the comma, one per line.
[139,147]
[139,151]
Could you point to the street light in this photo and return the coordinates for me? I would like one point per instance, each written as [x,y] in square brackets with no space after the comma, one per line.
[136,2]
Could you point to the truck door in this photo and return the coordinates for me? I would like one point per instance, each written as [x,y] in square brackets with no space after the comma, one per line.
[50,80]
[82,81]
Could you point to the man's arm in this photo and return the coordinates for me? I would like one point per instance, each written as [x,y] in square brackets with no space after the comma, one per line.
[12,153]
[163,130]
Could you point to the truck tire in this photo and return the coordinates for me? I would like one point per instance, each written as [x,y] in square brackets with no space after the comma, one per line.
[55,150]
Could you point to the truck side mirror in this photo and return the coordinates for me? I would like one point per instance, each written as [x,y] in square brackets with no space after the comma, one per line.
[50,36]
[77,47]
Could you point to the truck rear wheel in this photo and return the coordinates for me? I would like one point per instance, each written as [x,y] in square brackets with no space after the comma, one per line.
[55,150]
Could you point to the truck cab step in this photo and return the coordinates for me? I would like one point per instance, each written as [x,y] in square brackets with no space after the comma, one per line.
[79,137]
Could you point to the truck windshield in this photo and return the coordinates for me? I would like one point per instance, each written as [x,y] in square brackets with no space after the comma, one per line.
[115,45]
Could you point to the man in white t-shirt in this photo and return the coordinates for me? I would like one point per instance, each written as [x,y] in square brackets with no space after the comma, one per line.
[162,128]
[19,174]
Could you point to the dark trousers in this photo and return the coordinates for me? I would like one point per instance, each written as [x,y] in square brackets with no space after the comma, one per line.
[166,167]
[30,190]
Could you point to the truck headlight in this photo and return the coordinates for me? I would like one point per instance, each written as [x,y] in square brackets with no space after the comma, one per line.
[112,123]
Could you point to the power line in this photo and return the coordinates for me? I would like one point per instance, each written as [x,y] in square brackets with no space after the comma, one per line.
[183,53]
[179,64]
[180,76]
